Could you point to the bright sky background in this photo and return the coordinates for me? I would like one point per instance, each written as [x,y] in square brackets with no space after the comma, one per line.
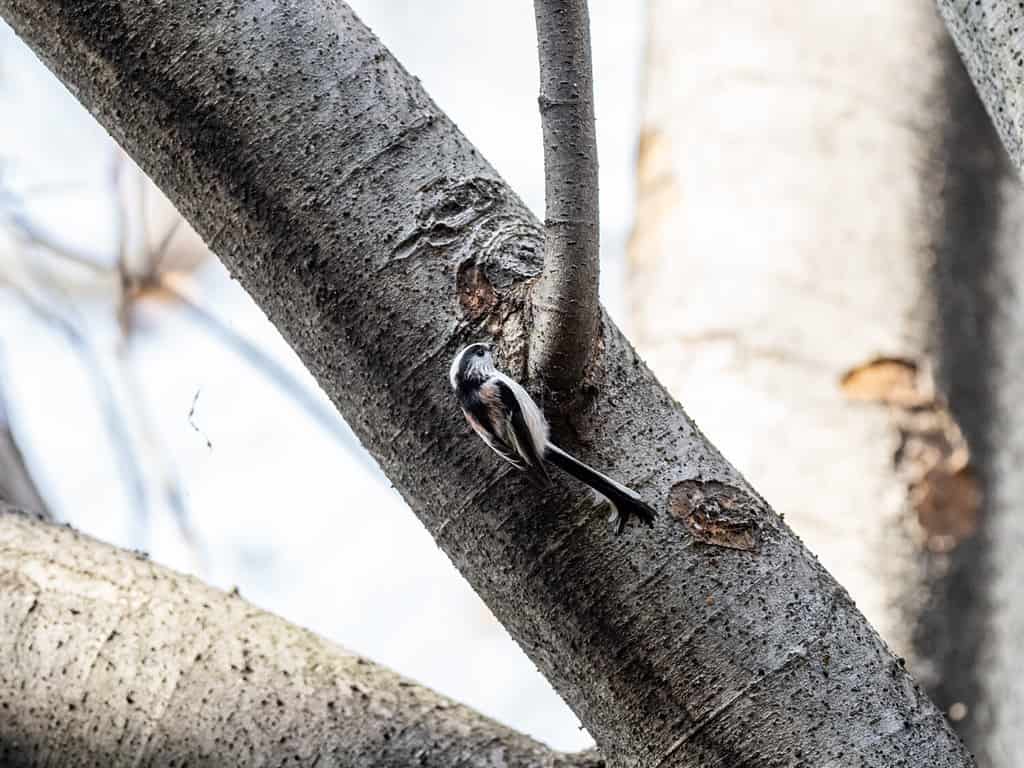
[283,510]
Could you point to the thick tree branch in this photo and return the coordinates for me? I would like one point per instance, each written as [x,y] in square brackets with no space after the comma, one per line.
[990,37]
[111,660]
[377,239]
[566,312]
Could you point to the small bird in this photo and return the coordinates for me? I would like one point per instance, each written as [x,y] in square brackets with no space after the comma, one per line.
[511,423]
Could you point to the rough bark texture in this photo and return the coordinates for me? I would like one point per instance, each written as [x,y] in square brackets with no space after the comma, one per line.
[863,316]
[990,37]
[379,242]
[566,310]
[113,661]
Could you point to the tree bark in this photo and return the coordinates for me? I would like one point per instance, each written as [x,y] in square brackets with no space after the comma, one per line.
[379,242]
[973,624]
[112,660]
[989,35]
[863,315]
[566,309]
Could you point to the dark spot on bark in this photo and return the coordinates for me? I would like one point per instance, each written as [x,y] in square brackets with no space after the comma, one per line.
[476,294]
[717,514]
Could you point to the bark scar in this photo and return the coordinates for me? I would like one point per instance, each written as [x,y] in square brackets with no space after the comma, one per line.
[447,208]
[718,514]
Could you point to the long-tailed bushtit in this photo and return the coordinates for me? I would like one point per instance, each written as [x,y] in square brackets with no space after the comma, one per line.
[511,423]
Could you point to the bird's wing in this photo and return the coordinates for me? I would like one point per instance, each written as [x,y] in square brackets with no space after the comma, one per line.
[519,432]
[488,421]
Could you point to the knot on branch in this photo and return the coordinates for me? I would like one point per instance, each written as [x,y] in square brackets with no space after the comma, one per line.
[447,207]
[718,514]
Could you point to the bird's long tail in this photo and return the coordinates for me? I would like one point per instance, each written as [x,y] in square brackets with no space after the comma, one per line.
[626,503]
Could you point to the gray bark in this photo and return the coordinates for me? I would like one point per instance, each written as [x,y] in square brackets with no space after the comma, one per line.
[111,660]
[379,242]
[990,37]
[566,310]
[972,627]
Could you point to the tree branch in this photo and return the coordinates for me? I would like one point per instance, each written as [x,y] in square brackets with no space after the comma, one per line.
[990,37]
[566,311]
[112,660]
[373,234]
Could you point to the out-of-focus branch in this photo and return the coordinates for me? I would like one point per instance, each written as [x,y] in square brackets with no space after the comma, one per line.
[154,281]
[16,483]
[990,37]
[566,313]
[117,429]
[316,408]
[112,660]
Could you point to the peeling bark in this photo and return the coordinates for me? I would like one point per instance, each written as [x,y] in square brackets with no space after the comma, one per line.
[347,204]
[114,661]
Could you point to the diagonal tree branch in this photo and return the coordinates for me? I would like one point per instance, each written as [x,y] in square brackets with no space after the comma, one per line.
[373,234]
[566,312]
[990,37]
[112,660]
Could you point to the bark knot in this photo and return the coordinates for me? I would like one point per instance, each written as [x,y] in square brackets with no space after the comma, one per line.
[718,514]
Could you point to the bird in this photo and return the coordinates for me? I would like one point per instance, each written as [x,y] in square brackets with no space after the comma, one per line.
[505,416]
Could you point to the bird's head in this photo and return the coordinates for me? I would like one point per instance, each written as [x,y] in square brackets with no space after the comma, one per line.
[474,362]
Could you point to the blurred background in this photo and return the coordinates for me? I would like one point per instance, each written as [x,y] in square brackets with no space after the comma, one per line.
[809,229]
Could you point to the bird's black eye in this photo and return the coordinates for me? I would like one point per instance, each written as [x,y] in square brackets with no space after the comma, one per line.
[480,352]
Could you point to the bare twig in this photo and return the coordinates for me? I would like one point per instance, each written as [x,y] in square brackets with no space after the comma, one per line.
[565,299]
[117,428]
[32,234]
[169,481]
[156,256]
[17,485]
[192,422]
[322,413]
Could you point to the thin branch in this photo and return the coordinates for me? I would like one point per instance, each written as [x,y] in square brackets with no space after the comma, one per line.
[169,481]
[192,421]
[31,234]
[566,314]
[315,407]
[117,428]
[17,485]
